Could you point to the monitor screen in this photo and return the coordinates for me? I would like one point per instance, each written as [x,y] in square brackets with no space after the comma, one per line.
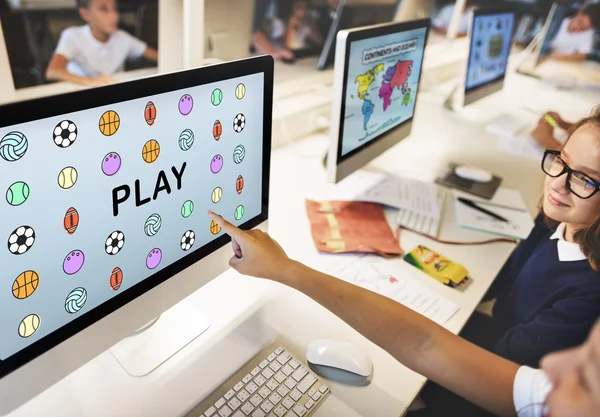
[106,193]
[380,86]
[491,39]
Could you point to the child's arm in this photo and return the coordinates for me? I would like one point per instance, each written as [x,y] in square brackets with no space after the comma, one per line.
[577,57]
[151,54]
[57,71]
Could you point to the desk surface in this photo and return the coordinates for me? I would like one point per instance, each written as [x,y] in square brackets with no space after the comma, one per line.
[247,313]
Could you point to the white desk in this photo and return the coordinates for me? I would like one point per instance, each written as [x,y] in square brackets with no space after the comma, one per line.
[247,313]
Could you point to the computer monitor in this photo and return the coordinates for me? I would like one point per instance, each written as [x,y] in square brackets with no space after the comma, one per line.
[491,33]
[105,205]
[376,83]
[352,14]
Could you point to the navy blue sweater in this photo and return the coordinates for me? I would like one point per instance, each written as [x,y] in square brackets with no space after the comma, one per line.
[543,305]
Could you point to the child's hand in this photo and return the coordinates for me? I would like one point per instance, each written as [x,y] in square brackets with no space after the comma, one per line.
[99,80]
[559,120]
[544,135]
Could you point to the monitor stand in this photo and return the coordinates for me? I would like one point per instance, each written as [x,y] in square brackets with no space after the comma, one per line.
[160,339]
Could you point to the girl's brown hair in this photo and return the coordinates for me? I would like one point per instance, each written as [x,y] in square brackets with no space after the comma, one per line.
[588,238]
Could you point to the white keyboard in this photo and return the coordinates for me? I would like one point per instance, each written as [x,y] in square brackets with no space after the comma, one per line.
[510,125]
[421,223]
[272,384]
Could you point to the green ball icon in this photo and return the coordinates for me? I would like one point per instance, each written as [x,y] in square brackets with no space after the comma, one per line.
[217,97]
[239,212]
[17,194]
[187,209]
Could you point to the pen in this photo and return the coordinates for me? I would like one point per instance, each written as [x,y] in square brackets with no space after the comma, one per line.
[472,204]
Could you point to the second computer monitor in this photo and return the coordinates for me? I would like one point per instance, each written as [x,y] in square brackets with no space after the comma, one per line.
[376,81]
[491,34]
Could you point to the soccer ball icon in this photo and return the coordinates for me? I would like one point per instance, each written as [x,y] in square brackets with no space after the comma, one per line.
[187,240]
[239,122]
[65,134]
[115,242]
[21,240]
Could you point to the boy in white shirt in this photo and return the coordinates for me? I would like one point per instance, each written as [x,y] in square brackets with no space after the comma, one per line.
[92,53]
[575,38]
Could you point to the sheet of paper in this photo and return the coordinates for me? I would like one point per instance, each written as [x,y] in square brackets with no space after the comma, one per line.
[520,146]
[389,190]
[405,193]
[507,203]
[380,276]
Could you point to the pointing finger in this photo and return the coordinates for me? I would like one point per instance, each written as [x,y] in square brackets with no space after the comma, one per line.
[230,229]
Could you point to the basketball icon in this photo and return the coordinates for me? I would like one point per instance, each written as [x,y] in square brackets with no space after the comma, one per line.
[17,194]
[151,151]
[214,227]
[240,91]
[116,279]
[25,284]
[217,97]
[239,184]
[109,123]
[67,178]
[29,325]
[150,113]
[71,220]
[217,130]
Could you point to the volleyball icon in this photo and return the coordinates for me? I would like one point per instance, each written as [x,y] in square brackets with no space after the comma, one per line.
[116,279]
[17,193]
[239,184]
[65,134]
[109,123]
[240,91]
[25,284]
[75,300]
[239,122]
[217,130]
[217,194]
[186,140]
[151,151]
[150,113]
[215,228]
[29,325]
[67,178]
[217,97]
[21,240]
[13,146]
[71,220]
[238,154]
[153,224]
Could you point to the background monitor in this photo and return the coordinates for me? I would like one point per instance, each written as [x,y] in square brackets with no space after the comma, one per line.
[491,33]
[376,82]
[104,208]
[352,14]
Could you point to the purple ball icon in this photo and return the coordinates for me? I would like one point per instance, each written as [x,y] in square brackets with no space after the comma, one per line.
[216,164]
[111,164]
[73,262]
[153,259]
[185,104]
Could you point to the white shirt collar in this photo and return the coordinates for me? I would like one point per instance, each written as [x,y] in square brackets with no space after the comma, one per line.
[567,251]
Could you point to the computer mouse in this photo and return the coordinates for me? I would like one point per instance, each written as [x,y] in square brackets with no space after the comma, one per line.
[473,174]
[339,355]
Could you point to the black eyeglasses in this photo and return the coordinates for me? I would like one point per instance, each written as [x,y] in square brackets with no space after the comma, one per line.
[578,183]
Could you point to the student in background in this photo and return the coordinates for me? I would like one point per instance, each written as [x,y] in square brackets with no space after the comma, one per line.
[92,53]
[269,28]
[568,385]
[575,38]
[302,30]
[441,23]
